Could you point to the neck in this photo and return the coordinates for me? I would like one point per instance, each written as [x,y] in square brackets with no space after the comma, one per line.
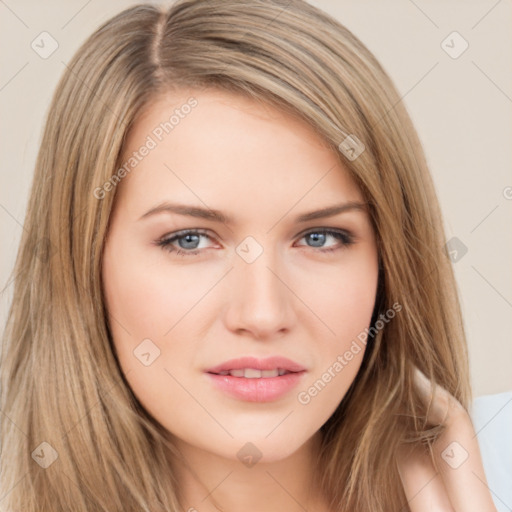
[210,483]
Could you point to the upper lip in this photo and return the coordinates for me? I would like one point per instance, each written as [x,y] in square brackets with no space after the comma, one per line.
[268,363]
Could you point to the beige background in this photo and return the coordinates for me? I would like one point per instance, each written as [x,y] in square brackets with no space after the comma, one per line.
[460,106]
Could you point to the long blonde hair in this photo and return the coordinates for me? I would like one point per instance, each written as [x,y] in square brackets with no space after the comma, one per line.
[63,396]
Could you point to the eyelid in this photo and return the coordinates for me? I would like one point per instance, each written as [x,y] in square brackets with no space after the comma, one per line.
[326,229]
[344,237]
[184,232]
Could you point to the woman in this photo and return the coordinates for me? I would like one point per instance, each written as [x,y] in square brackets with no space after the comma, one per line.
[235,281]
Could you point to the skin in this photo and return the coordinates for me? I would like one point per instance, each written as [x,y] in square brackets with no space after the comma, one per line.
[452,479]
[262,168]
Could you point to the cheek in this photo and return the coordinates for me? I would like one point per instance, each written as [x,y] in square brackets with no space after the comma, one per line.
[145,300]
[147,310]
[342,297]
[343,301]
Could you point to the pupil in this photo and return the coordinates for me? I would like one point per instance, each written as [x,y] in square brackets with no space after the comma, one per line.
[188,240]
[318,237]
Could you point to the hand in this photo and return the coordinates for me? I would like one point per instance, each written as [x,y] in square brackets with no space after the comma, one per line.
[458,484]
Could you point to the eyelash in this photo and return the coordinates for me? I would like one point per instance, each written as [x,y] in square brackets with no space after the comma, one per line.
[165,243]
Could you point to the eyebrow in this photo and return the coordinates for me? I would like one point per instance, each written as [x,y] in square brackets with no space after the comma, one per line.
[218,216]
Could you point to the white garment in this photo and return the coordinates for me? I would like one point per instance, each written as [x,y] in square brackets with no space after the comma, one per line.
[492,419]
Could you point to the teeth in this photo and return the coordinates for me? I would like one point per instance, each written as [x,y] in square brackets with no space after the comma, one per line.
[252,373]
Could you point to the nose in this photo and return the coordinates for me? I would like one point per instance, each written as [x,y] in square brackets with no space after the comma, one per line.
[260,299]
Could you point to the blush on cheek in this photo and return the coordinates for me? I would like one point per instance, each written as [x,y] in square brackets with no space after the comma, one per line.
[347,305]
[139,300]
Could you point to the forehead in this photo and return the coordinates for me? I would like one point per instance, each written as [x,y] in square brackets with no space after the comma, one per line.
[217,145]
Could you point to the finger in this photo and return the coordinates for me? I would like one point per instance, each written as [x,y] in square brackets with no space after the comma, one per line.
[456,452]
[441,404]
[423,485]
[458,458]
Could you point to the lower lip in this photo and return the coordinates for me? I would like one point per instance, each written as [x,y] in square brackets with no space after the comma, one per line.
[265,389]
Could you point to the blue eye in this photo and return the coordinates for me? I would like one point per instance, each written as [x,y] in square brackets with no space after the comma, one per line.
[189,240]
[321,235]
[189,245]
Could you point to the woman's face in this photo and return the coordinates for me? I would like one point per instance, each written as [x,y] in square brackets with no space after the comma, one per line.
[208,261]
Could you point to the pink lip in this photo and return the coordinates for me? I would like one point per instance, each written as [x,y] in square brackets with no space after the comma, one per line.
[269,363]
[264,389]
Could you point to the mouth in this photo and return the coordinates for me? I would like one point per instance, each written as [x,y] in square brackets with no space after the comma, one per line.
[253,368]
[256,380]
[253,373]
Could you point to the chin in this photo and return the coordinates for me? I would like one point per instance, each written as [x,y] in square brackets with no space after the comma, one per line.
[274,448]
